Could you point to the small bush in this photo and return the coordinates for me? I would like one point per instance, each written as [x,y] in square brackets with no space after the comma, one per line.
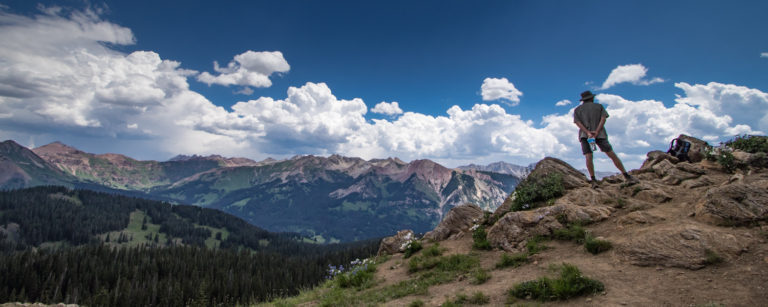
[412,248]
[596,246]
[749,143]
[514,260]
[416,303]
[573,232]
[480,238]
[712,257]
[727,161]
[432,251]
[620,203]
[570,284]
[360,277]
[534,245]
[479,298]
[452,263]
[533,192]
[479,277]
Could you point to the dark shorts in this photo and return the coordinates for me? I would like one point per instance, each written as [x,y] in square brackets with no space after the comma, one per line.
[604,145]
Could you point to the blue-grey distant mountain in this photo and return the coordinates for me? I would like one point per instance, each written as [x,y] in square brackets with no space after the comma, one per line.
[327,198]
[502,167]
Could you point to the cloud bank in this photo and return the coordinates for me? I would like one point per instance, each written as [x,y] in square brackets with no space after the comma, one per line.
[59,80]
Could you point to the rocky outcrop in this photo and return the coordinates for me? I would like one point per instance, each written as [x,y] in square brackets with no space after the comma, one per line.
[733,204]
[682,246]
[397,243]
[457,222]
[698,148]
[572,178]
[514,229]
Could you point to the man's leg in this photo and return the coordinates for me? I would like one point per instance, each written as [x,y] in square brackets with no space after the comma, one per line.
[590,165]
[616,161]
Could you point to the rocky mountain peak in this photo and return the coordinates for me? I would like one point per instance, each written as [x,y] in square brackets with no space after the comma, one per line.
[56,148]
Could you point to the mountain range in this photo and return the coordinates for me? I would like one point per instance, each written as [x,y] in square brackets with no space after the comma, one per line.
[327,199]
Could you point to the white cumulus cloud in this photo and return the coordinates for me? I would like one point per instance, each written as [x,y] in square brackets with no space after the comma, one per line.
[563,102]
[764,55]
[633,73]
[387,108]
[56,84]
[250,68]
[500,89]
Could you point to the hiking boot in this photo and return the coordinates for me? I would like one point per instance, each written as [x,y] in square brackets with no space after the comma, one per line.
[594,184]
[631,181]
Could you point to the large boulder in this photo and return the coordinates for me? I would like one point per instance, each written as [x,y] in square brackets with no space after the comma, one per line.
[514,229]
[458,221]
[397,243]
[733,204]
[682,246]
[698,148]
[655,157]
[572,178]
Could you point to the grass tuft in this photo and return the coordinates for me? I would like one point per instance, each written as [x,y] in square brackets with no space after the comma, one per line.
[711,257]
[480,239]
[596,246]
[569,284]
[514,260]
[480,276]
[412,248]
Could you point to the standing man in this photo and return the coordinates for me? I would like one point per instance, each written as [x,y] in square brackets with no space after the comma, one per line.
[590,117]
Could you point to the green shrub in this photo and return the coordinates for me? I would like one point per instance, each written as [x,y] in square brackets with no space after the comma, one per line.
[432,251]
[573,232]
[480,276]
[712,257]
[596,246]
[480,238]
[416,303]
[533,192]
[479,298]
[360,277]
[569,284]
[749,143]
[727,161]
[534,245]
[514,260]
[412,248]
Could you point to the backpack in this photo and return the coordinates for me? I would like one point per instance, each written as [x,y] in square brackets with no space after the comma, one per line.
[678,148]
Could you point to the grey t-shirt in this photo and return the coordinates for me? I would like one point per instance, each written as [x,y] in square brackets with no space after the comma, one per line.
[589,114]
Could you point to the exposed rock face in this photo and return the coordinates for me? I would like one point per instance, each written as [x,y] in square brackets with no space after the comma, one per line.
[457,222]
[733,204]
[572,178]
[657,156]
[397,243]
[682,246]
[513,230]
[698,148]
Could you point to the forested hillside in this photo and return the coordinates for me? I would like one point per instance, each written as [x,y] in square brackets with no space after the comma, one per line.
[92,248]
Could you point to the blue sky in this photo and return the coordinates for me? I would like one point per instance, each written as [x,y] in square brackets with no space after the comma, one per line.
[662,68]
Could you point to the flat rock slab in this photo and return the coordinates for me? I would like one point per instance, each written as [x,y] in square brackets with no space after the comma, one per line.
[682,246]
[733,204]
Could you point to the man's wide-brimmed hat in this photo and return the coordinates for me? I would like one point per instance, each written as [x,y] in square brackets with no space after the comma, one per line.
[587,96]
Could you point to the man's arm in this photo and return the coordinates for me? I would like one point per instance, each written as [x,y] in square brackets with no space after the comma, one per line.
[582,128]
[600,125]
